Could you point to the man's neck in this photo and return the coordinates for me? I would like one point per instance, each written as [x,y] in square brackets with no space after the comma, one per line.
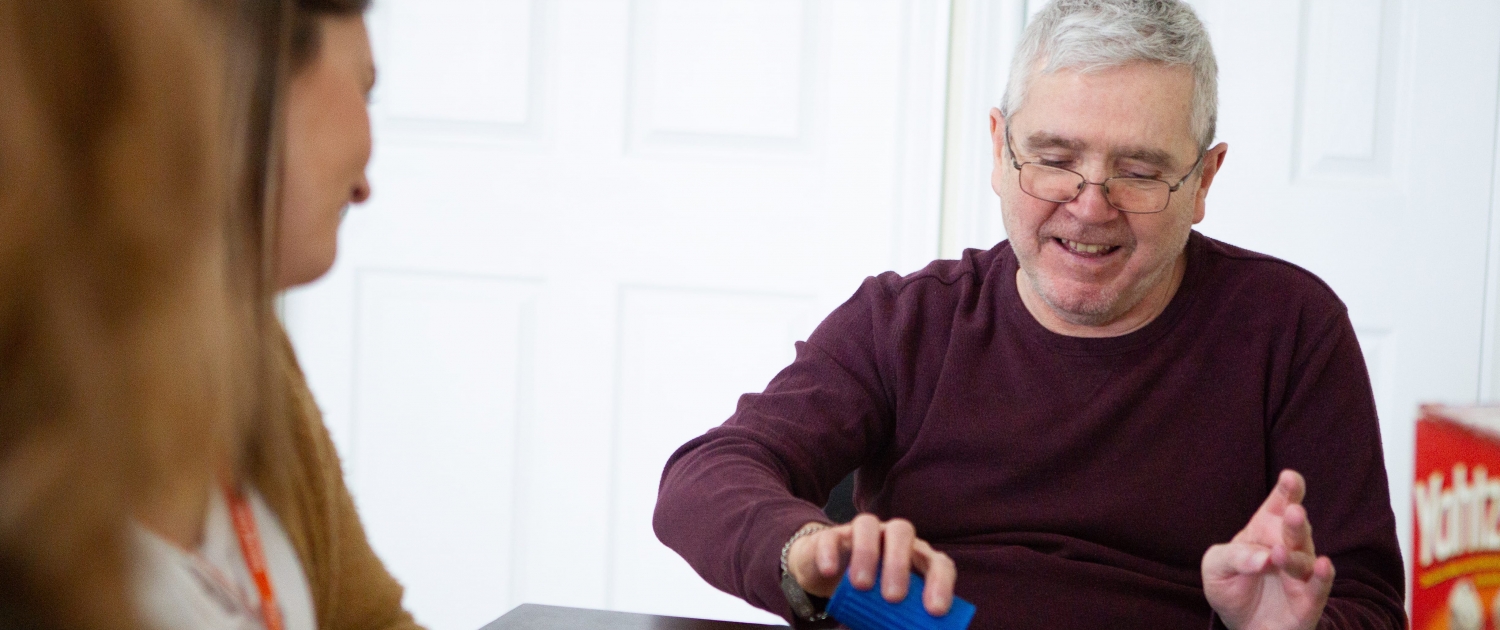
[1145,311]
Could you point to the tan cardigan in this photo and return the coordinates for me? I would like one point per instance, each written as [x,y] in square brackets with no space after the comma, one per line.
[351,588]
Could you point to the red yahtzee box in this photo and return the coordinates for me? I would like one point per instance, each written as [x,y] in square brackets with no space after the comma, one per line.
[1455,555]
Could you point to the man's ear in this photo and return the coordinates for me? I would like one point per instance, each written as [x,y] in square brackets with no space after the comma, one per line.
[1212,162]
[997,137]
[997,133]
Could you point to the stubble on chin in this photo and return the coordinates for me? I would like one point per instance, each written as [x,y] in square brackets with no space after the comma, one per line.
[1096,305]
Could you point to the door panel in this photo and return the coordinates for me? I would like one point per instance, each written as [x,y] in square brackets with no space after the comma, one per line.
[666,337]
[595,224]
[1384,181]
[446,480]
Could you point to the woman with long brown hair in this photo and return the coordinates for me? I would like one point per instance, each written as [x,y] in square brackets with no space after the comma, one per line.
[290,489]
[123,327]
[161,458]
[279,540]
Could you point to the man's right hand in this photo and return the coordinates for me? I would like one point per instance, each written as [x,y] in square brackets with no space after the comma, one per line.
[818,561]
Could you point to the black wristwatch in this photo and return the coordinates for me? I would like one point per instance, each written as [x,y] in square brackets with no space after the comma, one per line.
[803,604]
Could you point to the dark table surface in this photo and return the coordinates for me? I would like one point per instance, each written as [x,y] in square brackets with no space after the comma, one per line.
[539,617]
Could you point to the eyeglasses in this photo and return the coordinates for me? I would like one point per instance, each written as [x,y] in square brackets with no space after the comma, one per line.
[1135,195]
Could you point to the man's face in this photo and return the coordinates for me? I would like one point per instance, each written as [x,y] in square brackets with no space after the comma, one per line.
[1090,263]
[327,148]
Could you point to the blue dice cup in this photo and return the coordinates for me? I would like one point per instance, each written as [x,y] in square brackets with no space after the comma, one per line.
[868,610]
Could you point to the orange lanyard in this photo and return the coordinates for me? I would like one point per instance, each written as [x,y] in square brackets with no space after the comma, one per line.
[255,555]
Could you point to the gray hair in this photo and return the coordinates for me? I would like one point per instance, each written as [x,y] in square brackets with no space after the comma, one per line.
[1088,35]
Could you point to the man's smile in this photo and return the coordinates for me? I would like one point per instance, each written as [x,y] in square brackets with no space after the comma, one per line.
[1086,249]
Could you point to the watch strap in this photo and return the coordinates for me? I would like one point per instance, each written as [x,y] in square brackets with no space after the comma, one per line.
[802,606]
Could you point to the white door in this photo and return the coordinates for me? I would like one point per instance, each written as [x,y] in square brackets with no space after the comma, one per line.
[595,224]
[1362,140]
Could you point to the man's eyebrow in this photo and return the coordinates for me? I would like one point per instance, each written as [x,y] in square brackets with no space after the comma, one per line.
[1154,157]
[1044,140]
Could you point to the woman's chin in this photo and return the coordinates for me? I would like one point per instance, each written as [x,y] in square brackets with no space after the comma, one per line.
[305,269]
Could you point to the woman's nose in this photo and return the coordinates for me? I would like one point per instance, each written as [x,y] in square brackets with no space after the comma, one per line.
[361,191]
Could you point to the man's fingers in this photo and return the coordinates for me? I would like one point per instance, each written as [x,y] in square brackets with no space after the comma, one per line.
[1319,581]
[896,550]
[1289,490]
[895,572]
[1265,527]
[866,551]
[940,574]
[1296,531]
[831,545]
[1290,487]
[1298,564]
[1251,559]
[816,559]
[1234,559]
[1323,572]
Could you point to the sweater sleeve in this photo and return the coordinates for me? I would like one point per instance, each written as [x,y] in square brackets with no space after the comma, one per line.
[1326,428]
[731,498]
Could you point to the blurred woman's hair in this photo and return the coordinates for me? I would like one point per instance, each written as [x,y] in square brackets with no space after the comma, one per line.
[307,31]
[135,138]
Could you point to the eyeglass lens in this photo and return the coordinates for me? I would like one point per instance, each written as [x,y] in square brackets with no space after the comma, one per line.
[1124,193]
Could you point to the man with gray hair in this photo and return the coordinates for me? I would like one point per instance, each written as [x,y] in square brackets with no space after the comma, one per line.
[1108,420]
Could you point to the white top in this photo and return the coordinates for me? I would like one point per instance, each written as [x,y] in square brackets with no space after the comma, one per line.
[212,589]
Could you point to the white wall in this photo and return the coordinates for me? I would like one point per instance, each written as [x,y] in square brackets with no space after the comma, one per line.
[594,224]
[582,206]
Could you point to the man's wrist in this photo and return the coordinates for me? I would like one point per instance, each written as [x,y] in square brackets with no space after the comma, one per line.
[804,605]
[788,557]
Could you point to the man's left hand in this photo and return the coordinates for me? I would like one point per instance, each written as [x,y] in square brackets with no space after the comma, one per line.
[1269,577]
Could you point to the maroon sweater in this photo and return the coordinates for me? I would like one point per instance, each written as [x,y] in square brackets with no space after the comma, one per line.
[1075,482]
